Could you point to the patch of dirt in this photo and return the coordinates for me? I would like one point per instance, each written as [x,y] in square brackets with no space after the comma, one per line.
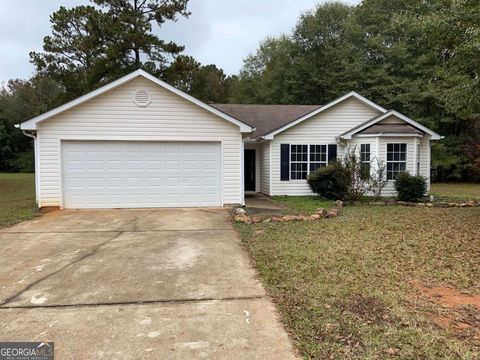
[459,312]
[446,296]
[50,209]
[369,309]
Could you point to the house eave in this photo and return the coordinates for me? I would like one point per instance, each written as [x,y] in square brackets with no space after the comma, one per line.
[385,135]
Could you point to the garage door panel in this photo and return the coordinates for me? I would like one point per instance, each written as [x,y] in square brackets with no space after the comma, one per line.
[109,174]
[153,165]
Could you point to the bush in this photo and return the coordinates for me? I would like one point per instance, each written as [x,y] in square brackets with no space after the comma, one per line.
[330,182]
[22,162]
[410,188]
[378,179]
[359,176]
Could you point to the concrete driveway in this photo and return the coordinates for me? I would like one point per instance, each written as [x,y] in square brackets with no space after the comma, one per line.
[130,284]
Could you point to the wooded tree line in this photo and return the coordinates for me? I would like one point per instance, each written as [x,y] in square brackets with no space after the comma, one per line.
[421,58]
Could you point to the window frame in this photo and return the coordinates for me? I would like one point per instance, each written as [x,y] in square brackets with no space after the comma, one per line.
[365,164]
[298,162]
[394,161]
[308,162]
[322,153]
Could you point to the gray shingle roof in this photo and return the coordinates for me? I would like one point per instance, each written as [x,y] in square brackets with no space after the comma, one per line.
[391,129]
[265,118]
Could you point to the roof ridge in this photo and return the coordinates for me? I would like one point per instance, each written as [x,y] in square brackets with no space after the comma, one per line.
[238,104]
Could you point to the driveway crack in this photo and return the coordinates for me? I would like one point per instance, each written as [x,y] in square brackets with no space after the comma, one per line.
[92,252]
[137,302]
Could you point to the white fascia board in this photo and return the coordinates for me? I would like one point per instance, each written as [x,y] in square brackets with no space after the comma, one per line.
[433,134]
[354,94]
[388,135]
[32,123]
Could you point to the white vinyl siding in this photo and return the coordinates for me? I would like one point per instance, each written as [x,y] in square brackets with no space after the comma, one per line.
[320,129]
[425,159]
[265,167]
[114,116]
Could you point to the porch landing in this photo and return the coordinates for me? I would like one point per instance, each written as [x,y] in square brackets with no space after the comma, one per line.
[262,204]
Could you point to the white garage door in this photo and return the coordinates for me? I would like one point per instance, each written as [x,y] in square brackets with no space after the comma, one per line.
[111,174]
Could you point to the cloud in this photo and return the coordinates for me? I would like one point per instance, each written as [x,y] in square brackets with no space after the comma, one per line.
[221,32]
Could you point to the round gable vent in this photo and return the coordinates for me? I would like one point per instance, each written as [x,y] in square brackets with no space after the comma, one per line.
[142,98]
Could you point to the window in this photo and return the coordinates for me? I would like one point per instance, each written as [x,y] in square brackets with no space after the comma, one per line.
[365,161]
[396,160]
[318,156]
[305,159]
[298,162]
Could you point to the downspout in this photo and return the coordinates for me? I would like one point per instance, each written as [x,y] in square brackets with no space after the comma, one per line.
[29,135]
[35,152]
[343,142]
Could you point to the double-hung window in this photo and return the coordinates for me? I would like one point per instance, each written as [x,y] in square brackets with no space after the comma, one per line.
[396,160]
[365,161]
[318,157]
[298,162]
[305,159]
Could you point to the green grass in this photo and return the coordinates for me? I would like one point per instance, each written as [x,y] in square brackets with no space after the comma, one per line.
[342,285]
[456,191]
[303,204]
[17,198]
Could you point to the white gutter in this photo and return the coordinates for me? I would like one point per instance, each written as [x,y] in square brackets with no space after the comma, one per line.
[35,151]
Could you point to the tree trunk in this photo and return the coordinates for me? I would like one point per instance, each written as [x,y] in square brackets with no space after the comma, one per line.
[137,58]
[137,50]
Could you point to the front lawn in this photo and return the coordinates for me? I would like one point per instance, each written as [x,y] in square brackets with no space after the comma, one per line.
[358,286]
[303,204]
[17,198]
[450,191]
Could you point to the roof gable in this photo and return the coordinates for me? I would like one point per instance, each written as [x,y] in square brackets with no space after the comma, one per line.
[367,124]
[331,104]
[32,123]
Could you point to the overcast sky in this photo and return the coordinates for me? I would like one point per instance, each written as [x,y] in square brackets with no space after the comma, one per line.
[220,32]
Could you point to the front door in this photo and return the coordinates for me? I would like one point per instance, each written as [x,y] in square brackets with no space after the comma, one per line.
[250,155]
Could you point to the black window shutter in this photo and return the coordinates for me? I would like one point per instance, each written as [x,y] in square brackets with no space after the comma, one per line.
[284,162]
[332,153]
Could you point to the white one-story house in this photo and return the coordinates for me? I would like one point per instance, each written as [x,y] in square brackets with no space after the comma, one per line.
[141,143]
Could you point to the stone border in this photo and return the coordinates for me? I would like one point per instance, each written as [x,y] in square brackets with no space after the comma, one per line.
[241,216]
[471,203]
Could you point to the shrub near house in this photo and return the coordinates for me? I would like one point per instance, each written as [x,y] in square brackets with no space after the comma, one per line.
[410,188]
[349,179]
[330,182]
